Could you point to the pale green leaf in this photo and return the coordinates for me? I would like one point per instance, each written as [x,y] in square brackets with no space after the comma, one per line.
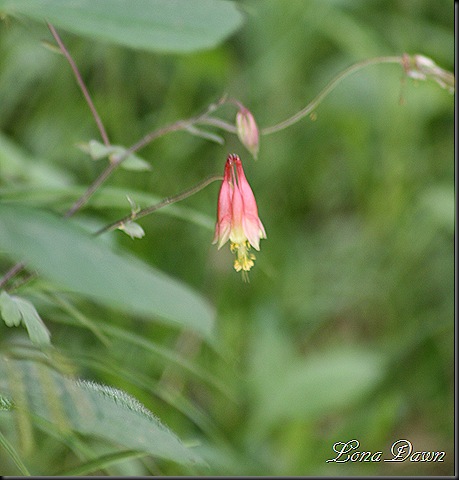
[134,230]
[135,164]
[38,333]
[96,150]
[9,310]
[14,309]
[198,132]
[79,262]
[178,26]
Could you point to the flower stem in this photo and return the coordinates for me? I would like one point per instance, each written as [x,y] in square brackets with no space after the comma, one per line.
[153,208]
[329,88]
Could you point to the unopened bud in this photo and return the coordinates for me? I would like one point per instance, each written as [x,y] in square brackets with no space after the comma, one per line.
[422,68]
[247,131]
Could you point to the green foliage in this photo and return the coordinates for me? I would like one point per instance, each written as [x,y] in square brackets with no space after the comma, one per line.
[67,255]
[98,151]
[89,409]
[15,310]
[345,330]
[156,25]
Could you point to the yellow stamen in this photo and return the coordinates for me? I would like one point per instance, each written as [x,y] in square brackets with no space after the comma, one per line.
[244,259]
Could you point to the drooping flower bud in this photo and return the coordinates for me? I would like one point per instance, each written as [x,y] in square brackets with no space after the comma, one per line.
[421,68]
[237,216]
[247,131]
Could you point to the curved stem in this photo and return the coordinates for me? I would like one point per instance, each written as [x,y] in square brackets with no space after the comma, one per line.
[167,201]
[331,86]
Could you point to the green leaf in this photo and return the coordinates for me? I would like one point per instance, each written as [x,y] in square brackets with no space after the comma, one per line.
[178,26]
[287,387]
[16,162]
[91,409]
[198,132]
[135,164]
[98,150]
[319,385]
[14,309]
[9,310]
[75,260]
[107,197]
[38,333]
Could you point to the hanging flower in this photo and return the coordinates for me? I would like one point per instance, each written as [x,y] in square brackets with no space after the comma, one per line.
[237,214]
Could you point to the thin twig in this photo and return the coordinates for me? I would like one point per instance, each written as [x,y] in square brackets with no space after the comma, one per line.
[23,281]
[91,189]
[12,272]
[82,85]
[331,86]
[148,138]
[153,208]
[179,125]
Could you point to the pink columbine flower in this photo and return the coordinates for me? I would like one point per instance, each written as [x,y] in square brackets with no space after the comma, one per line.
[247,131]
[237,215]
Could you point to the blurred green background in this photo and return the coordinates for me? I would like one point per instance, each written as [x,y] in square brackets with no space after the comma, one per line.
[345,330]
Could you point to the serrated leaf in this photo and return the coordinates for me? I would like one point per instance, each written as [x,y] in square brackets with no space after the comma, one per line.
[91,409]
[9,310]
[178,26]
[134,230]
[75,260]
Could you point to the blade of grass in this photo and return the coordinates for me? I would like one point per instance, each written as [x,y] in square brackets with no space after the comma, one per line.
[169,355]
[80,317]
[101,463]
[176,400]
[14,455]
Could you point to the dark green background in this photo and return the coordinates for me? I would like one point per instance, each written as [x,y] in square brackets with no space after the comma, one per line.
[357,269]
